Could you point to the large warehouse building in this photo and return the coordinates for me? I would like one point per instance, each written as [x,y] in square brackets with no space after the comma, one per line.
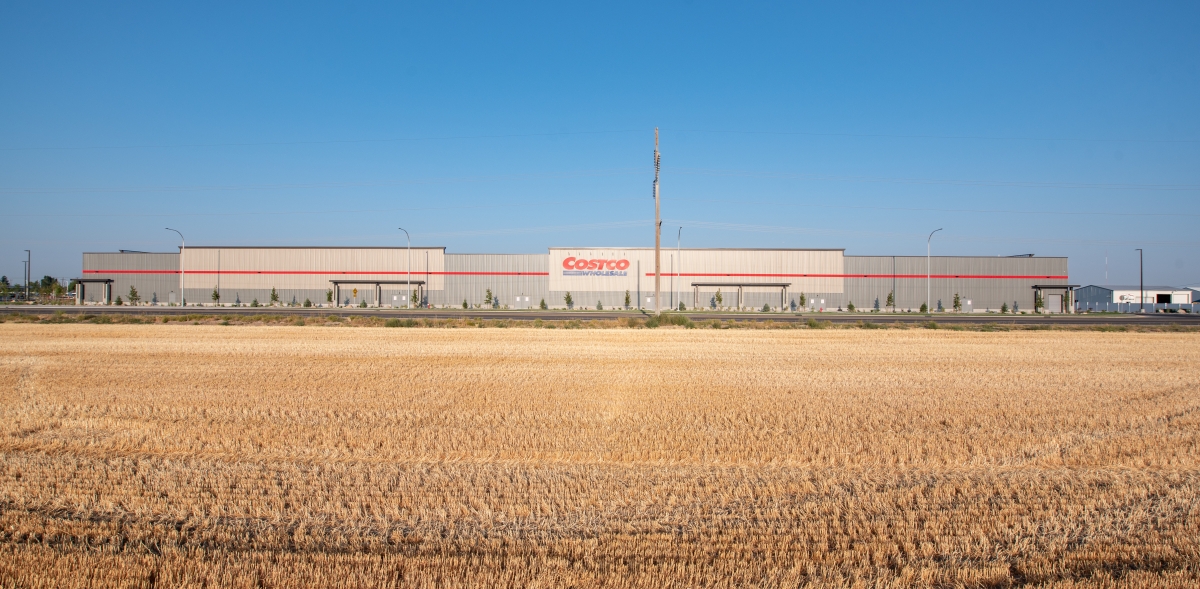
[745,278]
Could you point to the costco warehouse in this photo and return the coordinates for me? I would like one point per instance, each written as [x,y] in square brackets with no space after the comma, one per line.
[826,279]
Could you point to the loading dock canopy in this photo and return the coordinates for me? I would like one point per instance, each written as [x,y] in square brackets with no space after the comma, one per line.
[337,289]
[782,286]
[107,290]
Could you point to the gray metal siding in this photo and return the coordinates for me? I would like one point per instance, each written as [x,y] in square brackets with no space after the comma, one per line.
[469,276]
[155,275]
[1093,294]
[988,290]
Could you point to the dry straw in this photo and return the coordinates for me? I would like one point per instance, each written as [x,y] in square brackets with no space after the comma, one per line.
[191,456]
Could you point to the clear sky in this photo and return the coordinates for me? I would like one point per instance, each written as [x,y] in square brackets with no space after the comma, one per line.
[1049,128]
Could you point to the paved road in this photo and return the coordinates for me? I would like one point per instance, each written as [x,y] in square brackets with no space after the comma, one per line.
[950,319]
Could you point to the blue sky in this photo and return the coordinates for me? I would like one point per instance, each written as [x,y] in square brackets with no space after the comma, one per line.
[1068,129]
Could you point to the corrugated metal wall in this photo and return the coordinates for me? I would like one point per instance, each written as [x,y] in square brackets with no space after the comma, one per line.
[297,274]
[156,276]
[987,282]
[246,274]
[469,276]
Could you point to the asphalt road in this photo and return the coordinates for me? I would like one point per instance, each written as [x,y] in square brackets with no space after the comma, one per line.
[529,315]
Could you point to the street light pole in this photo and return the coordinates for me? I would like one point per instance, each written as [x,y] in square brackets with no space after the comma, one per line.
[28,273]
[928,288]
[409,289]
[679,256]
[1141,284]
[182,246]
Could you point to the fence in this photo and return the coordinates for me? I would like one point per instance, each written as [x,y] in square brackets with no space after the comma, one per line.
[1136,307]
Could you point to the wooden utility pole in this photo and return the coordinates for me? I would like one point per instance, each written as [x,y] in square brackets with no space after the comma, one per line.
[657,232]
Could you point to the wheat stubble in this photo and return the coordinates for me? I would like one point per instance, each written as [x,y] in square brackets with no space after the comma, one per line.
[190,456]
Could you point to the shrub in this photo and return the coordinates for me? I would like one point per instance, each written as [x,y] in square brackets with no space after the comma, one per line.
[119,301]
[254,303]
[329,296]
[766,308]
[543,306]
[274,296]
[569,301]
[670,319]
[1003,308]
[924,308]
[465,305]
[307,303]
[363,304]
[628,301]
[599,306]
[850,307]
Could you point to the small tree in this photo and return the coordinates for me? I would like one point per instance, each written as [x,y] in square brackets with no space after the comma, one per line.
[850,307]
[413,298]
[134,297]
[957,304]
[803,300]
[720,300]
[924,308]
[1003,308]
[1038,303]
[627,300]
[329,296]
[363,303]
[569,301]
[487,298]
[465,305]
[599,306]
[766,308]
[307,303]
[891,300]
[682,307]
[119,301]
[543,306]
[274,296]
[216,296]
[254,303]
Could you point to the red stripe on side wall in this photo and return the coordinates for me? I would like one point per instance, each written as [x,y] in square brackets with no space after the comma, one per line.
[971,276]
[668,274]
[316,272]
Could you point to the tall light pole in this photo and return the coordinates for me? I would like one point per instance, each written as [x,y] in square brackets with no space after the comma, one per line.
[28,273]
[928,289]
[1141,284]
[657,232]
[679,256]
[409,289]
[182,246]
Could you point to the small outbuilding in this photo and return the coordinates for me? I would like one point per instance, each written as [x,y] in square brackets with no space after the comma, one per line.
[1154,295]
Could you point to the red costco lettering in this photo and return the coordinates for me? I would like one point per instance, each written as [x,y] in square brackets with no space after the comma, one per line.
[573,263]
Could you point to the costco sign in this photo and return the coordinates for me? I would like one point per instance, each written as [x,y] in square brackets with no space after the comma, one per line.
[573,266]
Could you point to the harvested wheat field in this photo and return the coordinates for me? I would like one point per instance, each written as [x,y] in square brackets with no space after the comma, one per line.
[210,456]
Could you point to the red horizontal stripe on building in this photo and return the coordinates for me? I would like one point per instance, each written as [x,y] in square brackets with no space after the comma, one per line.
[317,273]
[964,276]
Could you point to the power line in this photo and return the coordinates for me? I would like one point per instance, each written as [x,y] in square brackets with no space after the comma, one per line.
[321,142]
[933,181]
[973,137]
[940,210]
[859,233]
[297,186]
[325,212]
